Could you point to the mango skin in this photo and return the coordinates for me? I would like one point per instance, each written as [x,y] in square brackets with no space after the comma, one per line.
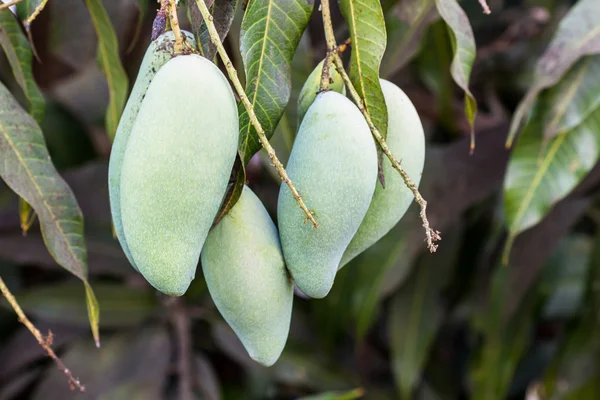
[311,87]
[246,277]
[333,165]
[406,140]
[158,53]
[176,168]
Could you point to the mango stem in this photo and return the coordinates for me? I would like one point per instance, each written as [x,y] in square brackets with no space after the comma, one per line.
[44,342]
[174,20]
[431,235]
[215,39]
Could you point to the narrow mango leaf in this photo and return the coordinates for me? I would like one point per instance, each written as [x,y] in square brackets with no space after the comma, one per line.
[271,31]
[406,24]
[504,342]
[463,43]
[223,12]
[108,56]
[19,54]
[541,172]
[416,314]
[121,306]
[28,10]
[357,393]
[237,180]
[367,30]
[28,171]
[577,35]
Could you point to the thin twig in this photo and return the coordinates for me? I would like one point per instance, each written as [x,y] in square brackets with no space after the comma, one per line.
[181,327]
[44,342]
[214,36]
[431,235]
[486,8]
[36,12]
[6,5]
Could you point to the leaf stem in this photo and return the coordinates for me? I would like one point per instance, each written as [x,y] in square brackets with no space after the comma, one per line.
[44,342]
[36,12]
[431,235]
[214,36]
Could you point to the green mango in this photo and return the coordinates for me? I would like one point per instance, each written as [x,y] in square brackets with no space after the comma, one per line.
[311,87]
[158,53]
[175,170]
[333,165]
[246,277]
[406,140]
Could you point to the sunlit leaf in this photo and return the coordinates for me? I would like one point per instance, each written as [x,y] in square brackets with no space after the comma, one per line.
[17,49]
[271,31]
[577,35]
[347,395]
[108,57]
[541,172]
[463,43]
[367,30]
[28,171]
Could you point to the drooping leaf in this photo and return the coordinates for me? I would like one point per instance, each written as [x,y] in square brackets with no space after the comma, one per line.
[542,172]
[28,10]
[577,35]
[19,54]
[406,24]
[271,31]
[237,180]
[366,23]
[463,43]
[108,57]
[28,171]
[223,12]
[416,314]
[61,303]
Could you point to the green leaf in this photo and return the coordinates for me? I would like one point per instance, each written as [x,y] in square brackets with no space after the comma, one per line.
[271,31]
[504,342]
[541,172]
[416,314]
[367,30]
[122,306]
[26,215]
[108,56]
[406,25]
[578,35]
[28,171]
[223,12]
[347,395]
[19,54]
[463,43]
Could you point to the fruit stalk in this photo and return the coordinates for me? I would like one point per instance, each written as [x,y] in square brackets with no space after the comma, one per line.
[214,37]
[431,235]
[171,7]
[44,342]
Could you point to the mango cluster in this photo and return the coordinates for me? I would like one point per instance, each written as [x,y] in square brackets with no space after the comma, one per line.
[169,169]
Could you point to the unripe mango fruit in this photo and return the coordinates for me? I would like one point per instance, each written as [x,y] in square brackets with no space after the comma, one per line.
[158,53]
[333,164]
[175,170]
[311,87]
[245,274]
[406,141]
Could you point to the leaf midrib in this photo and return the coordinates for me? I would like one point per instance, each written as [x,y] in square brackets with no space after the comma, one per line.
[47,206]
[260,64]
[357,52]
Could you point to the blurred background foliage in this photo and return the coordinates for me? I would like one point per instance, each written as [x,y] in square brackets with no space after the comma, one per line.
[399,322]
